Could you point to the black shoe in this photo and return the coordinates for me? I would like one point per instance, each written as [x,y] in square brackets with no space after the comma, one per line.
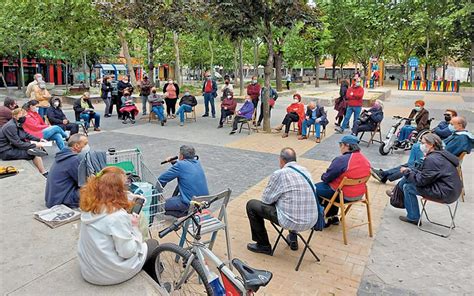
[205,115]
[256,248]
[162,123]
[132,121]
[405,219]
[45,175]
[378,174]
[37,152]
[213,116]
[332,221]
[232,132]
[292,238]
[220,126]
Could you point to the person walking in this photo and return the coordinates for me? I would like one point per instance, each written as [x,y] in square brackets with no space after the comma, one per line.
[171,91]
[209,91]
[145,89]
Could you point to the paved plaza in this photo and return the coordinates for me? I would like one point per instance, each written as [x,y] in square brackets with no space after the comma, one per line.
[398,260]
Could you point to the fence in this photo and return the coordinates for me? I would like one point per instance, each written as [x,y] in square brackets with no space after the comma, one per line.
[429,85]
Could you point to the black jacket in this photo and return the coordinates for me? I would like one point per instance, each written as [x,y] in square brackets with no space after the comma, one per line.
[373,119]
[12,136]
[78,108]
[320,113]
[121,86]
[106,88]
[188,100]
[437,177]
[55,115]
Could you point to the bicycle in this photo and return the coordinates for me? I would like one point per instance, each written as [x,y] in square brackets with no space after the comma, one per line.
[185,271]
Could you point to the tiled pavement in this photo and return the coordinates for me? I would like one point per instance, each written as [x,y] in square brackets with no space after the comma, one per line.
[244,163]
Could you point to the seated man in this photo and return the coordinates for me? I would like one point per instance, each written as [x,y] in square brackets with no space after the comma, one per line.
[369,119]
[442,130]
[15,143]
[84,110]
[315,114]
[351,164]
[191,181]
[288,200]
[436,178]
[460,141]
[186,105]
[245,113]
[56,117]
[6,110]
[62,185]
[157,102]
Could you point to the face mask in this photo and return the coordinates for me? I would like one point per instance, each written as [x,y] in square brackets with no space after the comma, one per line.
[22,120]
[229,97]
[418,109]
[56,104]
[296,101]
[85,149]
[254,81]
[424,149]
[447,118]
[208,77]
[451,128]
[34,109]
[186,93]
[170,82]
[357,84]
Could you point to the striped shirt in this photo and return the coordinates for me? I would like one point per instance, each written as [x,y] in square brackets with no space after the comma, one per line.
[293,197]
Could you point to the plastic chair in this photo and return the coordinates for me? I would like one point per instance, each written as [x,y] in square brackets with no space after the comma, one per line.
[338,200]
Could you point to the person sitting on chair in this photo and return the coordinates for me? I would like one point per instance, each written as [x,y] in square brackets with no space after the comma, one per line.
[9,104]
[128,109]
[351,164]
[442,130]
[294,113]
[157,102]
[245,113]
[369,119]
[228,106]
[421,116]
[186,105]
[84,110]
[271,103]
[288,200]
[315,114]
[62,186]
[56,116]
[437,178]
[191,181]
[460,141]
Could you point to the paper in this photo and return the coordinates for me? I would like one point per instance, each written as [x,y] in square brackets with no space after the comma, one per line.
[45,144]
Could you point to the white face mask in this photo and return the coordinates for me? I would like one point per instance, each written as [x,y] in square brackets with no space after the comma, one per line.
[34,109]
[186,93]
[56,104]
[424,149]
[229,97]
[254,81]
[296,101]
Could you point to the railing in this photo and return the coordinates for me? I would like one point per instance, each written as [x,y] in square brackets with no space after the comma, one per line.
[429,85]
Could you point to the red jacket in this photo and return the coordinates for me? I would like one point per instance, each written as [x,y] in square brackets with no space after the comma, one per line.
[354,96]
[299,109]
[34,124]
[253,90]
[231,104]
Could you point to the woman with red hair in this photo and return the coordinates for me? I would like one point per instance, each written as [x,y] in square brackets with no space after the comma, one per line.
[111,249]
[421,116]
[294,113]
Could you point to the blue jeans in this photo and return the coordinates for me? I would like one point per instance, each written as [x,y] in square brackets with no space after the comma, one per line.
[415,154]
[87,119]
[159,111]
[405,132]
[307,123]
[56,134]
[410,199]
[324,190]
[209,98]
[182,109]
[349,111]
[175,207]
[42,111]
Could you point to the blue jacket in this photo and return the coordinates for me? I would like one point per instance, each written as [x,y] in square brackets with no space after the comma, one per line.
[459,142]
[442,130]
[191,179]
[62,185]
[247,110]
[318,112]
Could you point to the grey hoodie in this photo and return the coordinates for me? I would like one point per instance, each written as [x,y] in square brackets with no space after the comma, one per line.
[110,249]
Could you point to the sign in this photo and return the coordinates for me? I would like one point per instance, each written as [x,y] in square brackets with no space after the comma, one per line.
[413,62]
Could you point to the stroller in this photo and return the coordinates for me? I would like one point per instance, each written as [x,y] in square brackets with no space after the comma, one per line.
[391,141]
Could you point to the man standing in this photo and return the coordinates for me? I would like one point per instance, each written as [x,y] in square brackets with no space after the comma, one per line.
[288,81]
[145,89]
[354,96]
[62,186]
[29,89]
[191,181]
[209,91]
[6,110]
[288,200]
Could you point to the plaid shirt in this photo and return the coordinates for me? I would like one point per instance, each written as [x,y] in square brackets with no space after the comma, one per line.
[293,197]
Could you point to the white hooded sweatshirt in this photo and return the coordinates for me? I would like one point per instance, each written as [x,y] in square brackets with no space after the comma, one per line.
[110,249]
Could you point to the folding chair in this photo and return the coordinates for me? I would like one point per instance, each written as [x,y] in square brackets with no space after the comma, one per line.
[151,115]
[461,158]
[229,119]
[211,225]
[372,135]
[245,124]
[452,214]
[305,242]
[192,115]
[338,200]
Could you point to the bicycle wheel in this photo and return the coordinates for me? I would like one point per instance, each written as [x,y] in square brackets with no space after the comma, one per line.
[170,272]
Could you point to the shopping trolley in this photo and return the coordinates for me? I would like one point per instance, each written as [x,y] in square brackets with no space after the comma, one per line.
[144,183]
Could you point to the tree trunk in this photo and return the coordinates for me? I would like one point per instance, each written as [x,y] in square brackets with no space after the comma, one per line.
[255,58]
[177,65]
[22,72]
[444,70]
[278,62]
[212,54]
[342,71]
[316,65]
[150,54]
[241,67]
[67,76]
[268,74]
[236,66]
[426,71]
[427,55]
[84,68]
[126,53]
[334,66]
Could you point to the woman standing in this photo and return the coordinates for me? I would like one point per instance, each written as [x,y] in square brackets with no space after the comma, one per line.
[42,95]
[106,95]
[340,103]
[171,91]
[111,249]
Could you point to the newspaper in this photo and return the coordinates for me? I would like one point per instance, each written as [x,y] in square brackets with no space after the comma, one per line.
[57,216]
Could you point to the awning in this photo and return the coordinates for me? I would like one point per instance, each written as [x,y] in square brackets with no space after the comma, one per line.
[120,67]
[105,67]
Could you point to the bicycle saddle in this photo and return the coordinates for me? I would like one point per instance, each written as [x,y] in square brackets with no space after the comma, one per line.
[253,278]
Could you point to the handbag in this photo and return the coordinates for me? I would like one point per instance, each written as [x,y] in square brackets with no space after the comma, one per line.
[397,198]
[319,226]
[271,102]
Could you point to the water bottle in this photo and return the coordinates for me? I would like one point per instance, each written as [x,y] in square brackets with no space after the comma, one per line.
[216,285]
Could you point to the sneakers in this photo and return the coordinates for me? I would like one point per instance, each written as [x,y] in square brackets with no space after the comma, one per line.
[339,130]
[45,174]
[256,248]
[302,137]
[181,124]
[162,123]
[318,140]
[232,132]
[292,238]
[285,135]
[378,174]
[205,115]
[132,121]
[37,152]
[332,221]
[220,126]
[405,219]
[124,121]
